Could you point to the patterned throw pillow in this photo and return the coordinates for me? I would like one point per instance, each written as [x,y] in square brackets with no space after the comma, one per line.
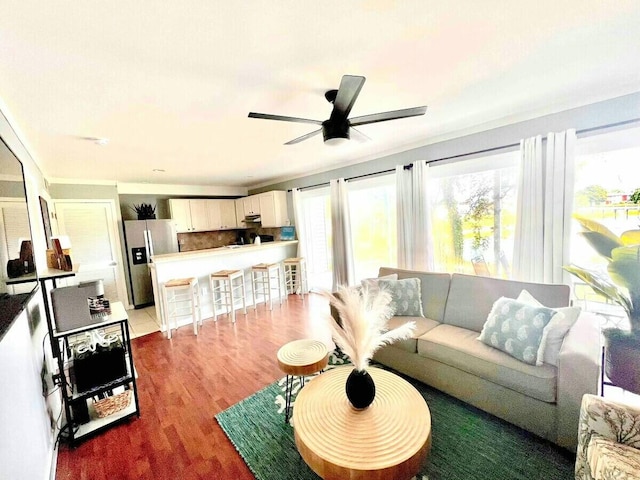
[558,327]
[517,329]
[406,296]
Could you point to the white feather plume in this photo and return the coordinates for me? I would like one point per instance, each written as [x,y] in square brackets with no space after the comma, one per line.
[364,314]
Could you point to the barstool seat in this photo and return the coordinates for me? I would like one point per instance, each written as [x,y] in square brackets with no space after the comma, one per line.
[265,278]
[181,298]
[228,286]
[295,276]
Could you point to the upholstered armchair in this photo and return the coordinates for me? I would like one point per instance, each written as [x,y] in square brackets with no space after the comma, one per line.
[608,440]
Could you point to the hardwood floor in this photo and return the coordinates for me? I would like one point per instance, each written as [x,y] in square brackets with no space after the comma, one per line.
[182,384]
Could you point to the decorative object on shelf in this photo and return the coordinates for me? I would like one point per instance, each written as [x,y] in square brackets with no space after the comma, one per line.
[360,331]
[98,360]
[620,284]
[110,405]
[145,211]
[23,265]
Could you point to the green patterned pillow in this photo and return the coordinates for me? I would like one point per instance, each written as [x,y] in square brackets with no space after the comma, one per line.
[517,329]
[406,296]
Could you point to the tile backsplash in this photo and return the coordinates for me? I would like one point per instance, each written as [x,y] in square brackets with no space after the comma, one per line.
[203,240]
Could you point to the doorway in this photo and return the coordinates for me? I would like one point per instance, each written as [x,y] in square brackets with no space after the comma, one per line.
[92,229]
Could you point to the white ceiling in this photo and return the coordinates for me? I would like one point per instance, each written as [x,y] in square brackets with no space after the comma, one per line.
[170,84]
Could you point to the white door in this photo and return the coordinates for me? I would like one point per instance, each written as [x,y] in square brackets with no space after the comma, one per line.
[95,248]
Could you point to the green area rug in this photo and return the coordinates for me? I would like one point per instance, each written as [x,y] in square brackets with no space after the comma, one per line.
[467,444]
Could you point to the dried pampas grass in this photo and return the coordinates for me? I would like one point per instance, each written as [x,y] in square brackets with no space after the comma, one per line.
[364,313]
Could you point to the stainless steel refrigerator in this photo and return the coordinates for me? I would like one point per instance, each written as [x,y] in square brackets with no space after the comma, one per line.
[144,238]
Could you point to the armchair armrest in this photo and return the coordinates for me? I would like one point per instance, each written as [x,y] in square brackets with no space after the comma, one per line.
[578,373]
[607,419]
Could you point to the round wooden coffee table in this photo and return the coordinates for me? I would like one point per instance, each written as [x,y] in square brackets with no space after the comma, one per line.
[300,358]
[389,440]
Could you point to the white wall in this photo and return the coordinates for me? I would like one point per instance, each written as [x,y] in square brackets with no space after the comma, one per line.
[27,432]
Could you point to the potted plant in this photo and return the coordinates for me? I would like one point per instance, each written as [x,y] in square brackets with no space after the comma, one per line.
[145,211]
[620,284]
[359,329]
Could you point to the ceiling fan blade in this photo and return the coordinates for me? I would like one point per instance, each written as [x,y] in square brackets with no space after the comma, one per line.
[303,137]
[268,116]
[348,92]
[384,116]
[359,136]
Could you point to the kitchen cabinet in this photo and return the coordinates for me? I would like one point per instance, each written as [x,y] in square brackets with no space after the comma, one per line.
[180,214]
[227,214]
[221,214]
[239,205]
[202,215]
[273,209]
[251,205]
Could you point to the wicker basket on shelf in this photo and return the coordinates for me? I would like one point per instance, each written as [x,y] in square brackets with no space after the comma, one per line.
[110,405]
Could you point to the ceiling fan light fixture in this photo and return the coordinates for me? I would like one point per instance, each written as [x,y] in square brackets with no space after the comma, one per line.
[335,133]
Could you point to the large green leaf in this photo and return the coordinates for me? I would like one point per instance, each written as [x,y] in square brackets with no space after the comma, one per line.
[601,243]
[630,237]
[593,226]
[602,285]
[624,268]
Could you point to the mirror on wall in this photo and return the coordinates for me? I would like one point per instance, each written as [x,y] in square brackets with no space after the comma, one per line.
[18,276]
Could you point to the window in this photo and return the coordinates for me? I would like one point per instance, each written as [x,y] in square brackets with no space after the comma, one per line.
[372,205]
[316,212]
[607,173]
[473,214]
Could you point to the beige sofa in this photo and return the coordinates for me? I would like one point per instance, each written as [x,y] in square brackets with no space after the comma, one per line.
[447,354]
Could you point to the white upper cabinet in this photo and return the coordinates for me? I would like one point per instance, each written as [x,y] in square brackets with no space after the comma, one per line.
[273,208]
[181,214]
[200,219]
[202,215]
[227,210]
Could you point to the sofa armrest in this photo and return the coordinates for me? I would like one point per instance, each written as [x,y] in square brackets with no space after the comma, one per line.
[612,420]
[578,373]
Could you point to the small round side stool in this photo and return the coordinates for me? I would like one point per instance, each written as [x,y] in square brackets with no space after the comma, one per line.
[297,359]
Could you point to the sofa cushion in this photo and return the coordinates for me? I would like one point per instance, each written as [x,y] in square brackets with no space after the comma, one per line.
[471,298]
[434,286]
[610,459]
[518,328]
[459,348]
[558,327]
[406,298]
[423,325]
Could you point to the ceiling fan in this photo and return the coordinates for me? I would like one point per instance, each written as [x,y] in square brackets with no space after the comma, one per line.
[339,126]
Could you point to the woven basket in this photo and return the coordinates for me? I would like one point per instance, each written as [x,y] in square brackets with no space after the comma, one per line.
[110,405]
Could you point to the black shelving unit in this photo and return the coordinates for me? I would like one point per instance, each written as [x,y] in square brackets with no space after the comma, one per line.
[82,420]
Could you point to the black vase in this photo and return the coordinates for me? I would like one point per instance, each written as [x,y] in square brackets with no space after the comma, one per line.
[360,389]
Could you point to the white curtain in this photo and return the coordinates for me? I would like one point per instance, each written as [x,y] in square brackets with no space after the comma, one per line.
[343,269]
[559,185]
[298,218]
[415,244]
[544,208]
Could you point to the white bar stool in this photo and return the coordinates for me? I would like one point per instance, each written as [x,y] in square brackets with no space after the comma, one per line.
[295,276]
[181,298]
[225,284]
[267,277]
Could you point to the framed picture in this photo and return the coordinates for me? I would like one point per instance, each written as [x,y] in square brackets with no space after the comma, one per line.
[46,221]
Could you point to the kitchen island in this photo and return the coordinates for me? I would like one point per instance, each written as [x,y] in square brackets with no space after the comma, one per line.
[202,263]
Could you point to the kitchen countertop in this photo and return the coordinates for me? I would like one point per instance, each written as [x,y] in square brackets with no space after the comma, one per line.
[228,250]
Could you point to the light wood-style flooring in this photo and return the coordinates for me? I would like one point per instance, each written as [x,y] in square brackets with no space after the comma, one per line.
[182,384]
